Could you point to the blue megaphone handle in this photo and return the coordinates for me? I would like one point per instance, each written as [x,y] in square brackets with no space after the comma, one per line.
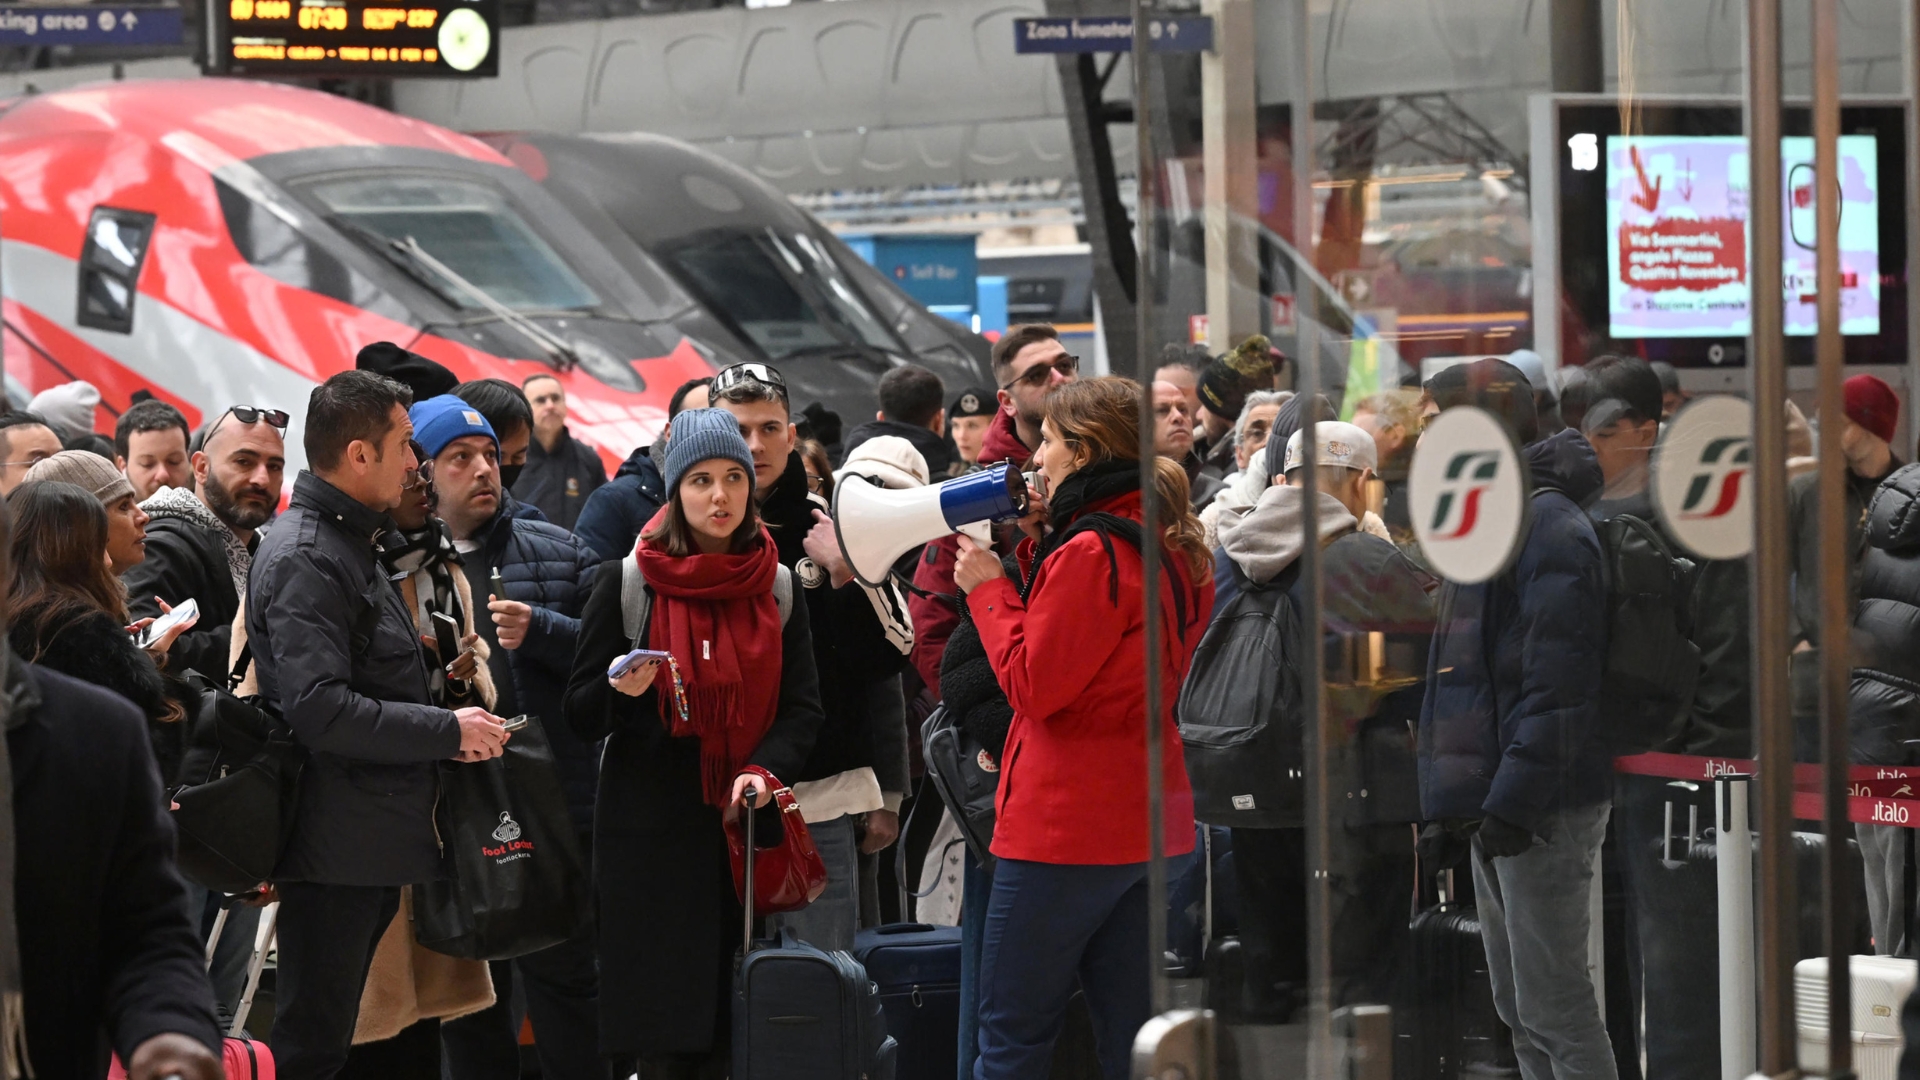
[997,494]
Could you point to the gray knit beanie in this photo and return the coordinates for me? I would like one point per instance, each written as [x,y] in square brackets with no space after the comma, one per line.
[86,469]
[700,435]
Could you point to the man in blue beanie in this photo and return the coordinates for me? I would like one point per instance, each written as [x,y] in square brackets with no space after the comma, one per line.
[547,575]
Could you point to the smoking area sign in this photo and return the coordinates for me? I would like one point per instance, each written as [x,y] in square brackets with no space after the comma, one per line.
[1111,33]
[34,24]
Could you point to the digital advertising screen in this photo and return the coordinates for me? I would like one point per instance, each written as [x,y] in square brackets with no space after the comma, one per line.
[1655,240]
[425,38]
[1677,236]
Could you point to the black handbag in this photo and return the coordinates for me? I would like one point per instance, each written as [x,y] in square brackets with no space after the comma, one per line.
[967,778]
[514,880]
[238,786]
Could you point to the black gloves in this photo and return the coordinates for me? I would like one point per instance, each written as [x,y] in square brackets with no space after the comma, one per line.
[1500,838]
[1444,845]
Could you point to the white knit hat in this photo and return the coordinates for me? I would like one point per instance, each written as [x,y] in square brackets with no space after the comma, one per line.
[887,460]
[68,407]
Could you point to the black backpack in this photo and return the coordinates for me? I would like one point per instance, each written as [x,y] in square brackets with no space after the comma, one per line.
[1652,663]
[1240,710]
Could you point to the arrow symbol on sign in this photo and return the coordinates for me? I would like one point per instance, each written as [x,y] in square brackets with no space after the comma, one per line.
[129,20]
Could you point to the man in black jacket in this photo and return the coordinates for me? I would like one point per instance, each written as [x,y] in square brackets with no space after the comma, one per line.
[860,637]
[561,470]
[200,542]
[336,652]
[911,406]
[611,521]
[1675,908]
[531,633]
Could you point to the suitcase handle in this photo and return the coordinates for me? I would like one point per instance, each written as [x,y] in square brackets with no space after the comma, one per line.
[753,856]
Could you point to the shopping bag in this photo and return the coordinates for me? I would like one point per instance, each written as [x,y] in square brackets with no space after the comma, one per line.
[513,877]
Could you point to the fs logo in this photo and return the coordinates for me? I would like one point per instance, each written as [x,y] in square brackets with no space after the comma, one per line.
[1714,488]
[1469,474]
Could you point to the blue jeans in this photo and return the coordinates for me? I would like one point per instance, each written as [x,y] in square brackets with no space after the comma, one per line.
[1534,918]
[1047,926]
[976,892]
[830,922]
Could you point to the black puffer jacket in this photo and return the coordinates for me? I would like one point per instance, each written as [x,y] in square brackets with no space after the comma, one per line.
[1884,705]
[97,649]
[970,691]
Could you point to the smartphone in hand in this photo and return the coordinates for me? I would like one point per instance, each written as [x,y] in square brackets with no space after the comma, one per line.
[622,665]
[185,613]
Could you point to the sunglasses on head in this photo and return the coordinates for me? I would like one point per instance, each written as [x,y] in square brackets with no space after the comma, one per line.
[741,374]
[251,414]
[1038,375]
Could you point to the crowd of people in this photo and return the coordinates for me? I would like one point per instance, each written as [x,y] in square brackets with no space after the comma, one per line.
[1468,727]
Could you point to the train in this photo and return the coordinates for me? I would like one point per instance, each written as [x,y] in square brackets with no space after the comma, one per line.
[221,241]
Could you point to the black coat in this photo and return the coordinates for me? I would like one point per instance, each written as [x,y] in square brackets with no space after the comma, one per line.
[95,648]
[336,651]
[542,565]
[851,650]
[105,939]
[613,516]
[669,918]
[187,560]
[936,449]
[968,686]
[1884,704]
[560,482]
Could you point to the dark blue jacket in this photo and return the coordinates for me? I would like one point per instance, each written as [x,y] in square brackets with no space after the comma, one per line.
[1510,719]
[617,511]
[545,566]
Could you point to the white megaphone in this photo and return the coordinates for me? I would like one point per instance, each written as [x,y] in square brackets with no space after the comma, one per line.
[877,525]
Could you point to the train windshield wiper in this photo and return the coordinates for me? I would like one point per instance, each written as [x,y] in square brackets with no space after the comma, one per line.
[409,256]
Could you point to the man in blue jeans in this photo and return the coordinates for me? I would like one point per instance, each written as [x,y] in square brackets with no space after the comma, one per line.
[1512,774]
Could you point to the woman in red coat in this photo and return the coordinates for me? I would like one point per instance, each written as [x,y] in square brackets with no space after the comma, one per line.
[1070,891]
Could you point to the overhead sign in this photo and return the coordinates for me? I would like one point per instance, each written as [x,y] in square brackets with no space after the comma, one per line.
[33,24]
[1702,478]
[425,38]
[1468,495]
[1112,33]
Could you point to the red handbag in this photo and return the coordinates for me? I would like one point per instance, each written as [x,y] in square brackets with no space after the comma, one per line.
[785,877]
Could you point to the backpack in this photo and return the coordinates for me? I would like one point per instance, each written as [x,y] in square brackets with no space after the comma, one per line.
[1240,710]
[1652,663]
[636,600]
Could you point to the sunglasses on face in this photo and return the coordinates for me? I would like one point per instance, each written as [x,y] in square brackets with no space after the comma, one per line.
[741,374]
[1039,375]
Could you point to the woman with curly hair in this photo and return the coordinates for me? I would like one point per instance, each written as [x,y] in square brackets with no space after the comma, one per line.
[1069,901]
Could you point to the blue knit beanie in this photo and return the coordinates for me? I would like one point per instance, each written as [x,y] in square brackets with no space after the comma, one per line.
[438,421]
[700,435]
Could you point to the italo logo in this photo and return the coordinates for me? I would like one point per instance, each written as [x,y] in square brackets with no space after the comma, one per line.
[1715,490]
[1470,474]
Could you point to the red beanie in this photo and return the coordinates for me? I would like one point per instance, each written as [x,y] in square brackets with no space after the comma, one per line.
[1871,404]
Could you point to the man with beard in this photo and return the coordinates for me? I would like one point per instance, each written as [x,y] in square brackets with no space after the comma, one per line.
[1029,363]
[200,542]
[529,633]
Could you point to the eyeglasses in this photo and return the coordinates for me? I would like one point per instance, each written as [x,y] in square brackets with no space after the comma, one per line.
[250,414]
[741,374]
[422,476]
[816,484]
[1039,375]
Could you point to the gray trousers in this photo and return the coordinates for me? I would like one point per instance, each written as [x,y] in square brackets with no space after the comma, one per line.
[830,922]
[1534,918]
[1884,849]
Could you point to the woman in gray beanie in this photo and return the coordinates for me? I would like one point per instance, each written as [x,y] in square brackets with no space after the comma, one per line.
[737,708]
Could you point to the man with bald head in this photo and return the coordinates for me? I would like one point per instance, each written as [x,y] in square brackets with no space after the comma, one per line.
[200,542]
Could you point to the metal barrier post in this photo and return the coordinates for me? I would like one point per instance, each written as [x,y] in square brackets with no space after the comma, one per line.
[1733,859]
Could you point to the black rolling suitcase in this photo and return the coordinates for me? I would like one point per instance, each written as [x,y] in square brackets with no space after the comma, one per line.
[803,1014]
[1445,1024]
[917,968]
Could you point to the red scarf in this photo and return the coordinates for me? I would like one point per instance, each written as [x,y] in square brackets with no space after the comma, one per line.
[717,616]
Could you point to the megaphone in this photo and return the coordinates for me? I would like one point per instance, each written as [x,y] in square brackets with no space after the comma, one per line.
[877,525]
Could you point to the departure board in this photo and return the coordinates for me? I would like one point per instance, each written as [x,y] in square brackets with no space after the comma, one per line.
[360,38]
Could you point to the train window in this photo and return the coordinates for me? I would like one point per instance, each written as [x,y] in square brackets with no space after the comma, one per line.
[110,264]
[468,227]
[782,292]
[279,249]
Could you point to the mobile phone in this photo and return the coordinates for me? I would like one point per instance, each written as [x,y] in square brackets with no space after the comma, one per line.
[624,664]
[517,722]
[185,613]
[446,632]
[499,585]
